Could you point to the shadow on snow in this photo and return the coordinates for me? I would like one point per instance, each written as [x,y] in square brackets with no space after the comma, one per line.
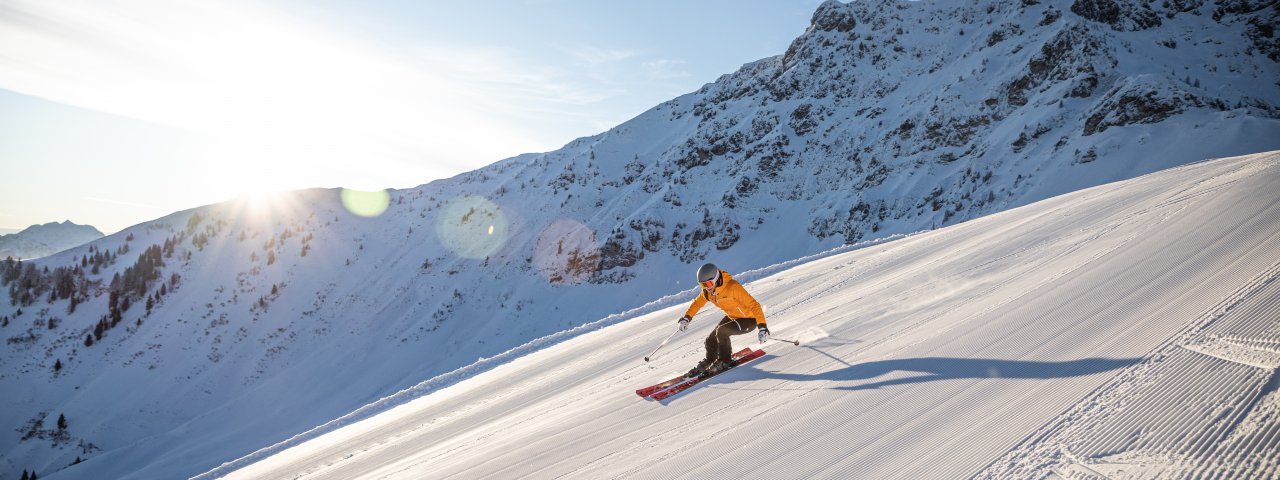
[945,368]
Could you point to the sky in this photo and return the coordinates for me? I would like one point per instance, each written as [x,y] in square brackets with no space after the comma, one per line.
[117,112]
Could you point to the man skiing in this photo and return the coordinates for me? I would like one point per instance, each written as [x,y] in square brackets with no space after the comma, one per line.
[742,315]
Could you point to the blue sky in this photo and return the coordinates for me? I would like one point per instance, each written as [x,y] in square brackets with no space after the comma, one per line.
[117,112]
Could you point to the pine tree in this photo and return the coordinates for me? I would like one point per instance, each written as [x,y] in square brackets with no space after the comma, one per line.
[62,422]
[57,366]
[25,475]
[88,340]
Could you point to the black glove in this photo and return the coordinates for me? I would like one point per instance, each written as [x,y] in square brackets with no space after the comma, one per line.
[764,333]
[684,323]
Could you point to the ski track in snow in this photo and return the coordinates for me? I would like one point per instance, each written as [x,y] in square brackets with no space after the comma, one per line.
[1126,331]
[879,118]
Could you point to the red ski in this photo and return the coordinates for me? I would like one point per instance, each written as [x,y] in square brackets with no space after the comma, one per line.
[650,390]
[690,382]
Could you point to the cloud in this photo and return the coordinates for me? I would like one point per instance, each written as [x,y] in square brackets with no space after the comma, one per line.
[257,78]
[125,204]
[595,54]
[501,73]
[666,69]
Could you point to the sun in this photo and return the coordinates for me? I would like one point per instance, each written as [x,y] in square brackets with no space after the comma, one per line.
[260,201]
[263,203]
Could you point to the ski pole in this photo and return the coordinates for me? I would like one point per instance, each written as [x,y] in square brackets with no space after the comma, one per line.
[664,343]
[793,342]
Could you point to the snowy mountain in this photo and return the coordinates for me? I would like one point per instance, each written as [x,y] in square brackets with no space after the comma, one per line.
[181,343]
[1123,331]
[42,240]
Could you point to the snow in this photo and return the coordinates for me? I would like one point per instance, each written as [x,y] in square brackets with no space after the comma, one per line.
[42,240]
[287,319]
[1065,338]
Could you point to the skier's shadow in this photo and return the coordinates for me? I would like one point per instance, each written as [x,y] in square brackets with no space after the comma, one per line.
[946,368]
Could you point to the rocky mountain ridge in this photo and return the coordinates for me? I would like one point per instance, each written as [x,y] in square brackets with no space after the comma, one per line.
[882,118]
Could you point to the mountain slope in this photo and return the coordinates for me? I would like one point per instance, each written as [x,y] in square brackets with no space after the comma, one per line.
[882,118]
[42,240]
[1087,333]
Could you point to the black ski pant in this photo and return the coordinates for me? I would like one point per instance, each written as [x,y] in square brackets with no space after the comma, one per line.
[718,342]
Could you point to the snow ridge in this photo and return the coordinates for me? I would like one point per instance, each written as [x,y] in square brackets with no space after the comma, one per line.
[883,118]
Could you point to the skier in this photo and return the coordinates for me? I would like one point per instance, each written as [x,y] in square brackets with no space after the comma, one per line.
[742,315]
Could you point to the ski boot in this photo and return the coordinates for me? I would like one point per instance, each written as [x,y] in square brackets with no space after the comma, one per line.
[707,367]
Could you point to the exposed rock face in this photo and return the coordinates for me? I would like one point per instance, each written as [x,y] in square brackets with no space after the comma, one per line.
[884,117]
[1120,15]
[1138,102]
[876,91]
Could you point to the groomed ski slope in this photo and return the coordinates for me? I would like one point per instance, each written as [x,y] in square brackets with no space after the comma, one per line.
[1130,330]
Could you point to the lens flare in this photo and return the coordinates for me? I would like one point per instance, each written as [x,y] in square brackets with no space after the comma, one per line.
[366,204]
[566,252]
[472,227]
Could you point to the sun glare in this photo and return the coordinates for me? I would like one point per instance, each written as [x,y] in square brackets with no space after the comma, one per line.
[260,201]
[263,204]
[366,203]
[282,95]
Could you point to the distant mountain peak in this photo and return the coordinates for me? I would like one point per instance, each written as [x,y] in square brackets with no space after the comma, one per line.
[882,118]
[42,240]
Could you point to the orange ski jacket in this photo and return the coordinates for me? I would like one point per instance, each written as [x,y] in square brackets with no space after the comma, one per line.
[730,297]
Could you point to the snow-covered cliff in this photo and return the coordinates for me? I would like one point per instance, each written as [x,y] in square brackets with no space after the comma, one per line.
[236,325]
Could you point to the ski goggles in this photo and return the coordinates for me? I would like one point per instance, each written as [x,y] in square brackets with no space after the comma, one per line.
[709,284]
